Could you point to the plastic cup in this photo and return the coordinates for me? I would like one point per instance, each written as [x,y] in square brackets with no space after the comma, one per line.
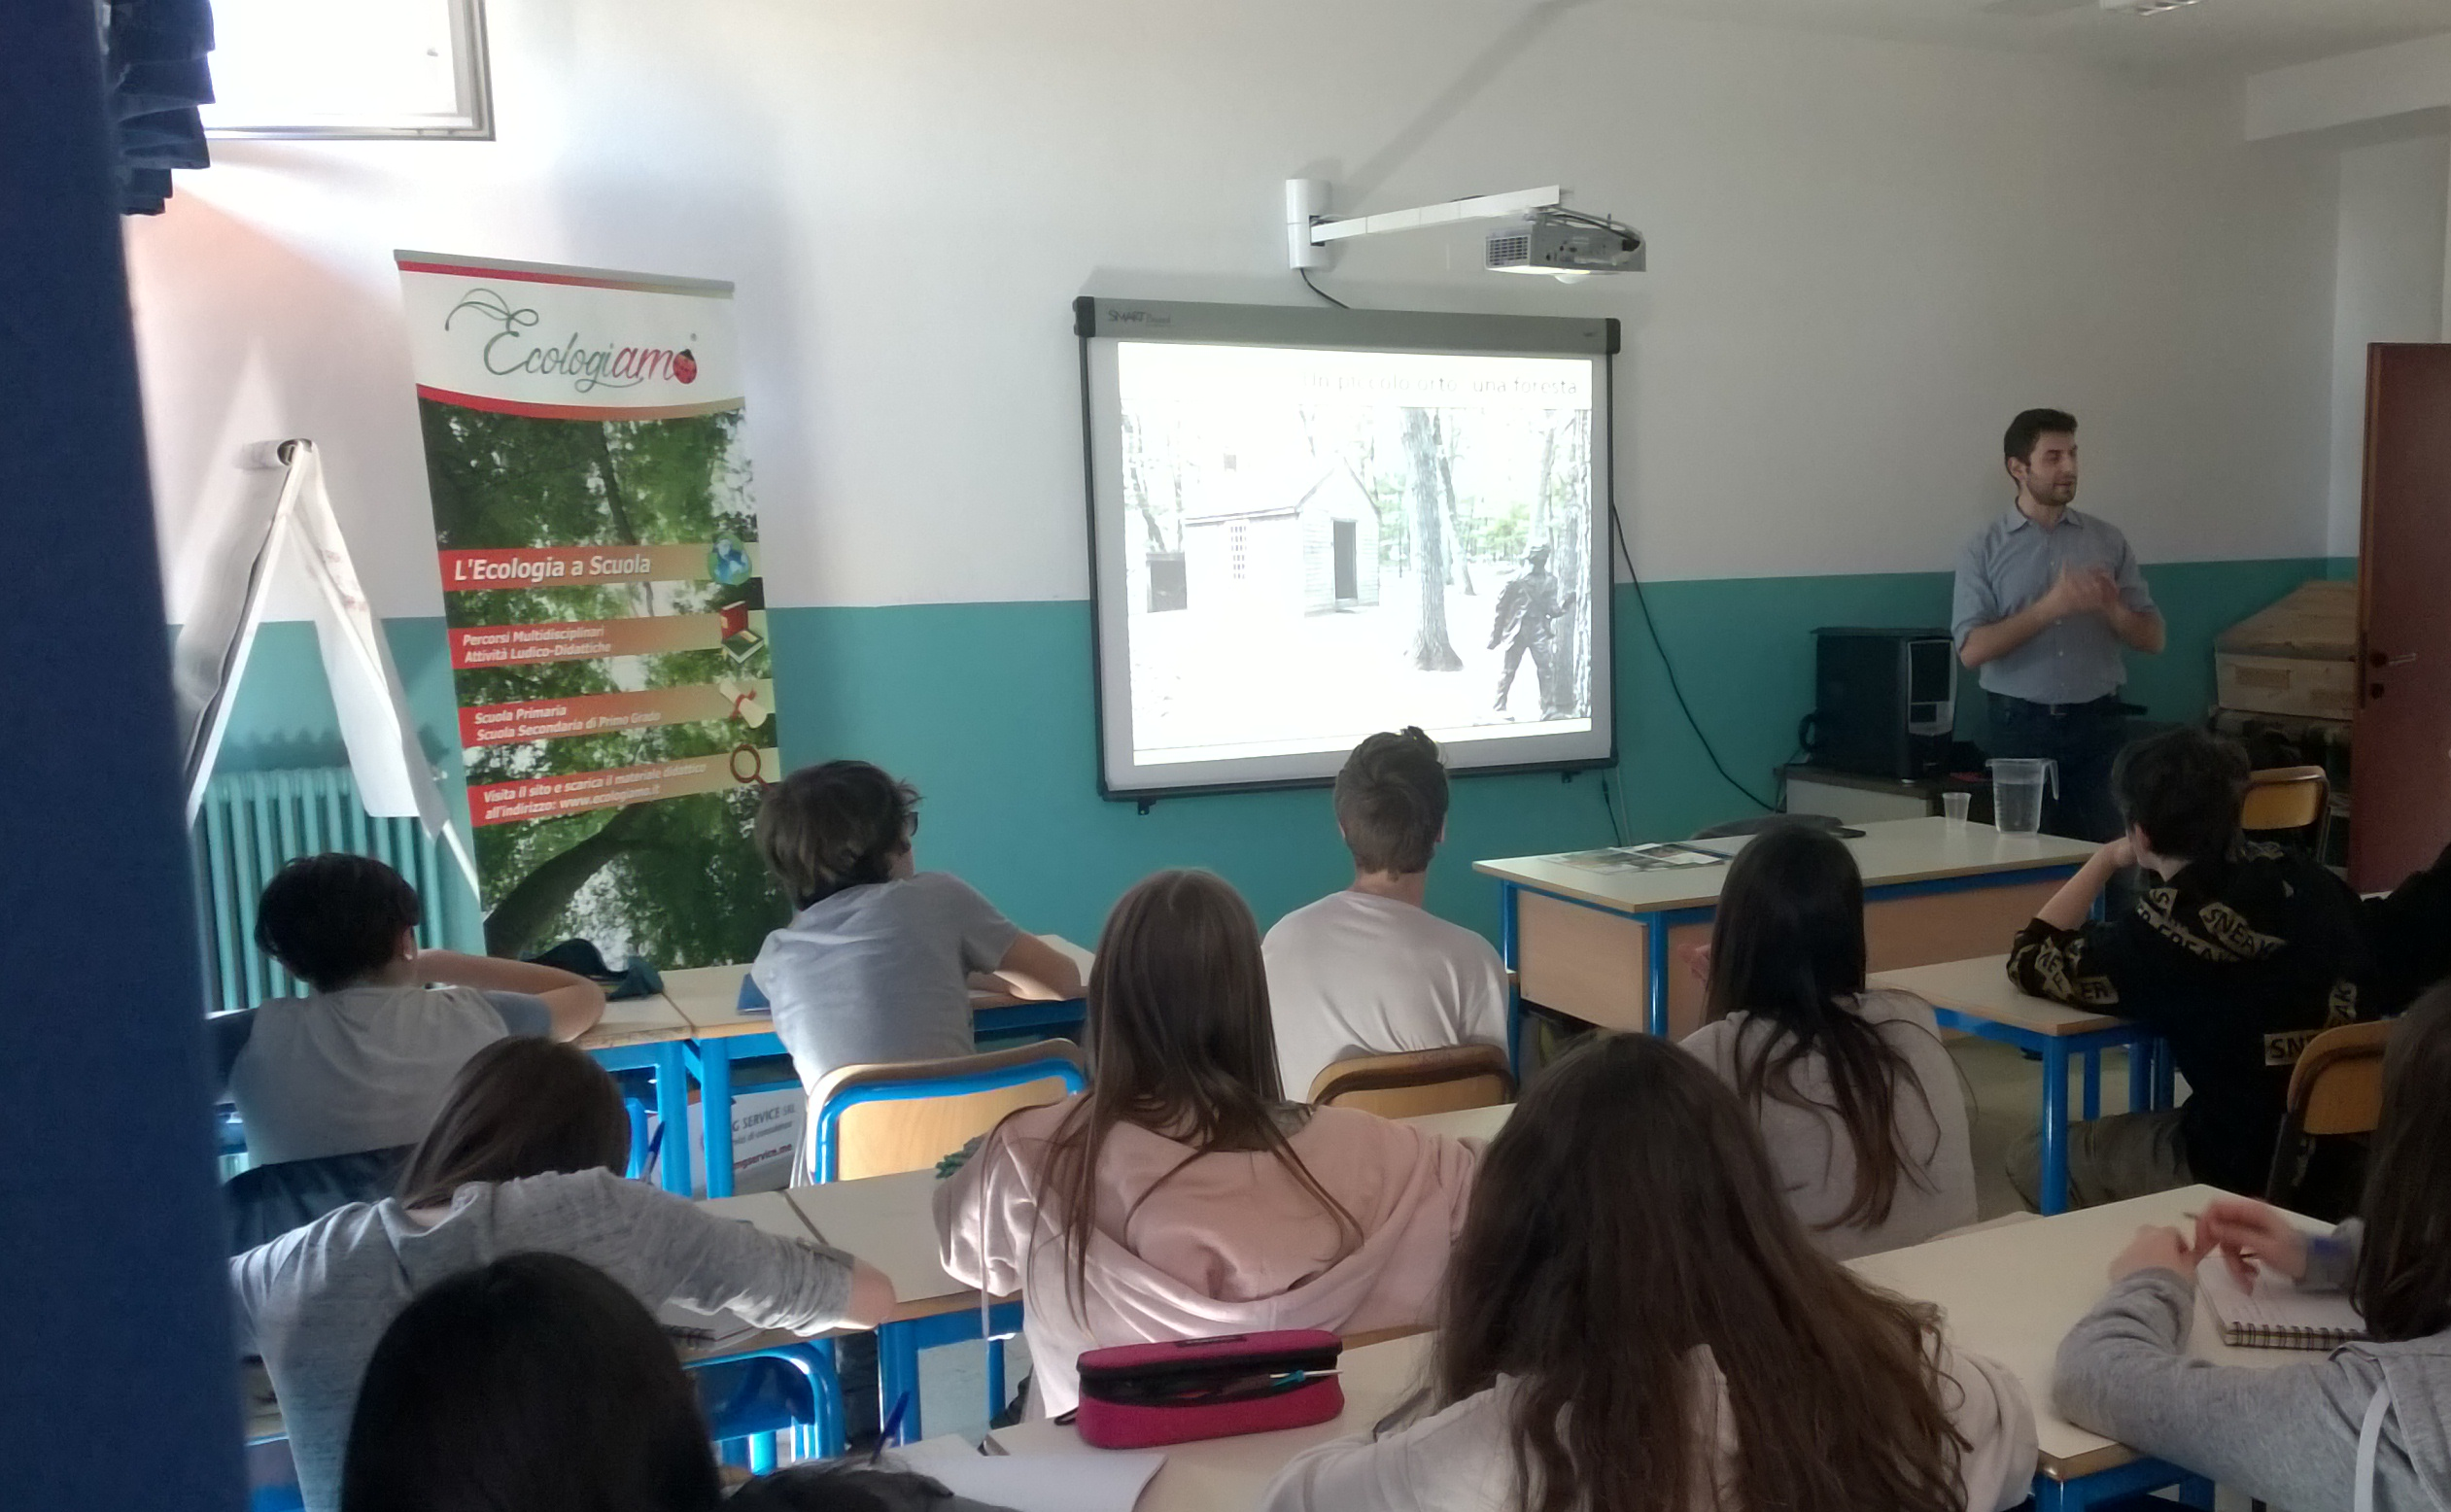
[1954,807]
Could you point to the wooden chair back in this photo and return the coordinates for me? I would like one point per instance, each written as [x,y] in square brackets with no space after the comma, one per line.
[2338,1085]
[2287,798]
[907,1115]
[2336,1093]
[1414,1082]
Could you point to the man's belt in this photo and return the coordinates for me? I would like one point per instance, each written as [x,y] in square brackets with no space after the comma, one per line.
[2107,703]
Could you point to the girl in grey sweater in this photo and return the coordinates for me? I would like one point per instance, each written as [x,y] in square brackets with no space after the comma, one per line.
[2363,1427]
[519,1159]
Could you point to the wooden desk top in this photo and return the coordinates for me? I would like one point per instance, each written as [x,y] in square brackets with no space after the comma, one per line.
[630,1021]
[1981,988]
[2014,1292]
[1229,1474]
[887,1221]
[1890,852]
[708,998]
[1468,1123]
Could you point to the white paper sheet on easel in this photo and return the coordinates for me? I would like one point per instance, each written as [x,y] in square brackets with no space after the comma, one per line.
[1099,1481]
[394,777]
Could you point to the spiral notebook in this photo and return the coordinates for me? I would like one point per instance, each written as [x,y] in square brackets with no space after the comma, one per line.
[2277,1315]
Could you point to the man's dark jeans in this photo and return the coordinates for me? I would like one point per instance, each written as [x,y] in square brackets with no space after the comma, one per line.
[2083,739]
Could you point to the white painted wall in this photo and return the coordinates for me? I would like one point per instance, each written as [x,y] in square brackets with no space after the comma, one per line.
[2389,287]
[1865,257]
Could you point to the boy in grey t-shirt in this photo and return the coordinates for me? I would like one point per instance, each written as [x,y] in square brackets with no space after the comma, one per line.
[876,963]
[364,1061]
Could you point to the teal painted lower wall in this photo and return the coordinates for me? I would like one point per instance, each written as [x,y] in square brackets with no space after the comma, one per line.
[987,709]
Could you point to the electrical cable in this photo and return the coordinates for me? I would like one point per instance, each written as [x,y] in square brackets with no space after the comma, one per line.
[1616,827]
[1305,275]
[1617,534]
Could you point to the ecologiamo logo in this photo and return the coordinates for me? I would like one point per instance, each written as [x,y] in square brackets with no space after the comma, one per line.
[510,348]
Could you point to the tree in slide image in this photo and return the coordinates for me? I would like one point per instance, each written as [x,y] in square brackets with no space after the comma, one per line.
[1433,650]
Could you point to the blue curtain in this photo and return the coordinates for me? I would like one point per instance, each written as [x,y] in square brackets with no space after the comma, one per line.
[153,69]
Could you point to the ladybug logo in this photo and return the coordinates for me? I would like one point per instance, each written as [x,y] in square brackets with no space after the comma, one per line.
[685,366]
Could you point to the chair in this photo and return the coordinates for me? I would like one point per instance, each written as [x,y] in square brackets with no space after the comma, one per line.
[2289,798]
[2335,1091]
[907,1115]
[1418,1082]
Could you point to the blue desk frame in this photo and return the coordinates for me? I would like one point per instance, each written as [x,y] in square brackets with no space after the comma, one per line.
[711,1062]
[665,1061]
[2134,1478]
[1657,922]
[2149,1063]
[2150,1081]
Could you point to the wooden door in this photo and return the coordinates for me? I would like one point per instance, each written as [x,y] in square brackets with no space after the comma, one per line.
[2400,744]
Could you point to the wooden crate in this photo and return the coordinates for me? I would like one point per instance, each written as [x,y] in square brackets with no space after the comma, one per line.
[2297,657]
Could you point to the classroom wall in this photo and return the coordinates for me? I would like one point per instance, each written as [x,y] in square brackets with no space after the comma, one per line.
[1865,255]
[2389,273]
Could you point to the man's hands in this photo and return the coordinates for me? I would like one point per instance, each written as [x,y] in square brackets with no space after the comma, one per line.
[2089,590]
[2245,1232]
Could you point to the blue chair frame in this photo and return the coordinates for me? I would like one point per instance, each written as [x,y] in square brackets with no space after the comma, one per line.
[898,1345]
[827,1159]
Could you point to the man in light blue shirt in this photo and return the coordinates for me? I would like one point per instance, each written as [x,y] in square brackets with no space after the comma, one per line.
[2048,600]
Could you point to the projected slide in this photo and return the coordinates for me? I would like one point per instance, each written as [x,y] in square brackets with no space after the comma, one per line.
[1335,542]
[1299,543]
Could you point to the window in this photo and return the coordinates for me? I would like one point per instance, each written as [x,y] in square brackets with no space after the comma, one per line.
[350,68]
[1238,550]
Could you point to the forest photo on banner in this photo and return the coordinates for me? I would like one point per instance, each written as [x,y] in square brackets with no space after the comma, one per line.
[600,559]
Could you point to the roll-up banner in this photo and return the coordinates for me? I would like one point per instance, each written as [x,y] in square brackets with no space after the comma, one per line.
[601,592]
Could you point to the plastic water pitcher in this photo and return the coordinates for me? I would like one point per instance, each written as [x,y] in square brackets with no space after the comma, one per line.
[2017,793]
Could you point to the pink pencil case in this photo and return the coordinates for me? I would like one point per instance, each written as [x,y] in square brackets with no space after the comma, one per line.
[1139,1396]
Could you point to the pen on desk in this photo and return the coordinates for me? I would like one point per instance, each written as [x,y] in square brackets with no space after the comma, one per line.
[893,1426]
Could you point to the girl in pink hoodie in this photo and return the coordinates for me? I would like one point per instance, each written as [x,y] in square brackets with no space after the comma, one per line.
[1183,1195]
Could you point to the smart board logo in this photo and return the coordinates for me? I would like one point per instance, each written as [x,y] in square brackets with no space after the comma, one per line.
[510,348]
[1137,317]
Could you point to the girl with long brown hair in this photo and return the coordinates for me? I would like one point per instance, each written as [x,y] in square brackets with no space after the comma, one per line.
[1857,1101]
[2368,1417]
[1635,1321]
[1183,1195]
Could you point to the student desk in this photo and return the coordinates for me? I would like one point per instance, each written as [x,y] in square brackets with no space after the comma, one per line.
[1595,945]
[2014,1292]
[1976,997]
[2010,1292]
[649,1034]
[709,998]
[889,1221]
[1230,1474]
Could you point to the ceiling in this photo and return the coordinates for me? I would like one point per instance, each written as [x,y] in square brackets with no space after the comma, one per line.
[2225,37]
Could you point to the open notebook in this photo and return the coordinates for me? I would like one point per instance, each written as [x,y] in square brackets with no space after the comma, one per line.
[2277,1315]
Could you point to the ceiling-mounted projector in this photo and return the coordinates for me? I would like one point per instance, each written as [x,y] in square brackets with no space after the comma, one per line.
[1564,245]
[1541,236]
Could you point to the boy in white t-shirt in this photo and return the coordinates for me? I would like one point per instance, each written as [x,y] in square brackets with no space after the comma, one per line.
[1368,971]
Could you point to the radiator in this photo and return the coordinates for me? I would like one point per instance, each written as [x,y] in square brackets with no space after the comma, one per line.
[252,822]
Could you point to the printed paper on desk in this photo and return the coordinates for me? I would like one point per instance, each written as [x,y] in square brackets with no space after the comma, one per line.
[1092,1481]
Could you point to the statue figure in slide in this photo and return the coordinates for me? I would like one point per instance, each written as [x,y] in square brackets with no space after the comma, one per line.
[1527,607]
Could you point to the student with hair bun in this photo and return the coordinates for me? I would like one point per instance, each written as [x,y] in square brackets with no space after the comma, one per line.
[1370,971]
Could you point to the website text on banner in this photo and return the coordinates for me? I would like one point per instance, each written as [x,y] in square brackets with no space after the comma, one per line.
[602,590]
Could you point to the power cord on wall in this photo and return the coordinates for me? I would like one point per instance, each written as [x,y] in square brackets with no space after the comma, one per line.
[1304,274]
[1617,534]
